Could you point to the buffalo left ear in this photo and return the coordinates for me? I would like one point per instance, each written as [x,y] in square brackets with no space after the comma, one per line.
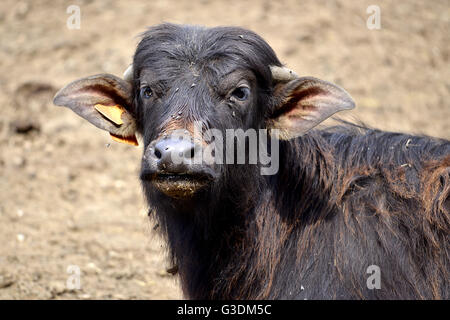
[105,101]
[305,102]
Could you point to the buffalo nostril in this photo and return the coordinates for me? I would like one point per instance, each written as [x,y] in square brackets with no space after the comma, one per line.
[189,154]
[158,154]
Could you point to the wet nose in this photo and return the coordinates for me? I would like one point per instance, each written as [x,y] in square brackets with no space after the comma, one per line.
[174,154]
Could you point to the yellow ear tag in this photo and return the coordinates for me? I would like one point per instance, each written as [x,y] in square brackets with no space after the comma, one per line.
[113,113]
[128,140]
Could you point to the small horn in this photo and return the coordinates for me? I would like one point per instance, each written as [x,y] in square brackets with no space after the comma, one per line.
[128,74]
[283,73]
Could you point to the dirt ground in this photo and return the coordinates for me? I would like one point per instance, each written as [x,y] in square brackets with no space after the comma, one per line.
[69,196]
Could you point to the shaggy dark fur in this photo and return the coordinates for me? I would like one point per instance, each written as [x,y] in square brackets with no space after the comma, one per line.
[345,198]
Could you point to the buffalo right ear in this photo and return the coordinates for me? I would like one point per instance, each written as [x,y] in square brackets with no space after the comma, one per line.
[105,101]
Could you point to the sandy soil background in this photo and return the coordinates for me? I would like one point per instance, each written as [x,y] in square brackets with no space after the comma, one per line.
[70,196]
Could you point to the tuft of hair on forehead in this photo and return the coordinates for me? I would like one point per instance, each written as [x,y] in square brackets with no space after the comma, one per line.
[166,48]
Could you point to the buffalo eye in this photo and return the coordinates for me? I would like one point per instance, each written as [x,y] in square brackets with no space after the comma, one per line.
[241,93]
[146,92]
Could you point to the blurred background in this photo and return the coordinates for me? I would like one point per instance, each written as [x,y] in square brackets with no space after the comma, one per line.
[69,196]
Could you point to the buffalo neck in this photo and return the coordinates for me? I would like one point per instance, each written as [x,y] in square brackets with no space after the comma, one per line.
[224,235]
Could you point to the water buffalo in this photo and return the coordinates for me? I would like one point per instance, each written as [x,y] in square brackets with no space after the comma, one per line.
[347,212]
